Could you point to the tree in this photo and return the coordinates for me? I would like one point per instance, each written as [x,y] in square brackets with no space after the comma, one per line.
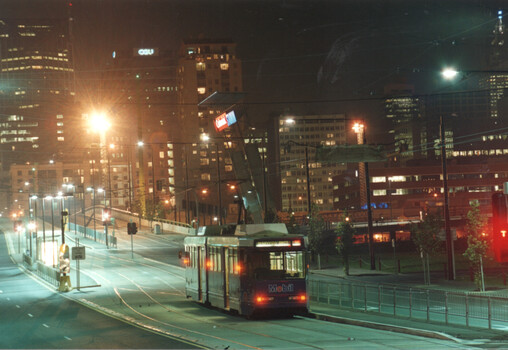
[477,243]
[153,210]
[345,239]
[321,240]
[425,236]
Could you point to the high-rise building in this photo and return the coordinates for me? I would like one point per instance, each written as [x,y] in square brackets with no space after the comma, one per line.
[205,66]
[139,96]
[402,110]
[301,176]
[37,93]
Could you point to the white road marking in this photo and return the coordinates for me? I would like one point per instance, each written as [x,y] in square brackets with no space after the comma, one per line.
[45,325]
[30,315]
[1,291]
[67,338]
[19,307]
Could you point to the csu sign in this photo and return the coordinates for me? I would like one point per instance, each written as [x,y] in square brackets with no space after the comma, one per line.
[146,52]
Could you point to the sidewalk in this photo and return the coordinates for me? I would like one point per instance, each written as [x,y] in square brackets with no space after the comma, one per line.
[461,334]
[413,280]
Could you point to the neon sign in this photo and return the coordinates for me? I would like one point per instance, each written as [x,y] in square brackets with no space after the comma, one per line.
[146,52]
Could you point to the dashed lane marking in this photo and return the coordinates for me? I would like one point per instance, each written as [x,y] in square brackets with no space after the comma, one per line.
[45,325]
[67,338]
[30,315]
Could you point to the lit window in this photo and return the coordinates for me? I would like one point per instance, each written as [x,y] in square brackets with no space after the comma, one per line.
[224,66]
[201,90]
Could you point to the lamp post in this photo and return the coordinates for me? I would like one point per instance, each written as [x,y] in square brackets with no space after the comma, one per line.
[359,129]
[206,138]
[105,215]
[100,124]
[91,189]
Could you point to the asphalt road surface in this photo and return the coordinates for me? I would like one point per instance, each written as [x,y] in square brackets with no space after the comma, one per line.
[33,316]
[145,289]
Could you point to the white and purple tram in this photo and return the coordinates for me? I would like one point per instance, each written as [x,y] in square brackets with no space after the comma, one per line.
[247,268]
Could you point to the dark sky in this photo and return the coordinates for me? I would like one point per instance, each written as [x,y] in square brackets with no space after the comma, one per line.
[319,56]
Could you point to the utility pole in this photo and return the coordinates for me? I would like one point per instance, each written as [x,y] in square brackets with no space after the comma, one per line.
[448,233]
[218,183]
[309,208]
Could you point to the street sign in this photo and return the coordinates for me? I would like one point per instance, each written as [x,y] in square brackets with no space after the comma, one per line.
[78,253]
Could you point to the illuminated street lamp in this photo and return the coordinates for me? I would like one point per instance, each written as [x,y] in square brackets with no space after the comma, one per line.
[449,73]
[100,124]
[206,138]
[363,167]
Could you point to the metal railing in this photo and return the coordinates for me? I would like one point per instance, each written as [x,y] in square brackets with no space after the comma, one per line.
[460,308]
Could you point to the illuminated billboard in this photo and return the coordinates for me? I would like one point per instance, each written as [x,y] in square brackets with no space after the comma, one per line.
[225,120]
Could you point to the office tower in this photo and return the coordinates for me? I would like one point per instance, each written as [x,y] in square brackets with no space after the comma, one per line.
[296,141]
[37,111]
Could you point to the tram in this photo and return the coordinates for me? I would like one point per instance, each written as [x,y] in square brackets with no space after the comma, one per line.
[247,268]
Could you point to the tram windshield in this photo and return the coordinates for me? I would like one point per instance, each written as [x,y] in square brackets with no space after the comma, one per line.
[277,265]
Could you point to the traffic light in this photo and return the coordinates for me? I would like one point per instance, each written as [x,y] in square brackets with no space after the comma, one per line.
[132,228]
[500,227]
[106,216]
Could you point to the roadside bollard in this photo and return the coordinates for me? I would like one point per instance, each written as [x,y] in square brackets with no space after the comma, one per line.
[379,263]
[471,274]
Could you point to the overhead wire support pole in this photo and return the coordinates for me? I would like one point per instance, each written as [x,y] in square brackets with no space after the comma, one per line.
[309,207]
[448,233]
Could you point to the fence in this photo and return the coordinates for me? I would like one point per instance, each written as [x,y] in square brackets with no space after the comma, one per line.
[96,235]
[468,309]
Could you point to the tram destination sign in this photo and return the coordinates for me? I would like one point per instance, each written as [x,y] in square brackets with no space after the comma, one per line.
[284,243]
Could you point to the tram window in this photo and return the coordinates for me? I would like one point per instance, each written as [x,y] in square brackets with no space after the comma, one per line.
[276,261]
[233,266]
[276,265]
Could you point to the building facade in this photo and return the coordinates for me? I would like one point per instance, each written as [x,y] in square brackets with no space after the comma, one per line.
[301,176]
[205,66]
[409,191]
[37,111]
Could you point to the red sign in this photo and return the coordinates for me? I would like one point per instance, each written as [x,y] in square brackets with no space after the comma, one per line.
[221,122]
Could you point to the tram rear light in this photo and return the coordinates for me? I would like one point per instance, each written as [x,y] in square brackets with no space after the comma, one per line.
[296,243]
[261,299]
[186,261]
[238,269]
[301,297]
[209,264]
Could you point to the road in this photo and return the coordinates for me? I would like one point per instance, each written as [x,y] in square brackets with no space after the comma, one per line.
[144,289]
[34,316]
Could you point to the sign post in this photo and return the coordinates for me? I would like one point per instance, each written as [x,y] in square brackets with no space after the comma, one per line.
[78,253]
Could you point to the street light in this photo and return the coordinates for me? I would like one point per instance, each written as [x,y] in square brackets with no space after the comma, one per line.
[206,138]
[100,124]
[359,129]
[91,189]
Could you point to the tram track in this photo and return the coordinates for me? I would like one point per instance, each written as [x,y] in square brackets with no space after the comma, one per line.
[152,297]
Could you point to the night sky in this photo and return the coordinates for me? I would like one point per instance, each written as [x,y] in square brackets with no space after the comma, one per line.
[301,56]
